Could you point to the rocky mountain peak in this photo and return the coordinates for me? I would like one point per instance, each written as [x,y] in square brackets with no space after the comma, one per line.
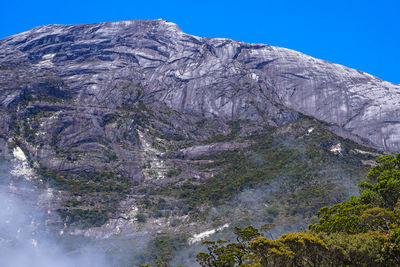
[136,129]
[208,77]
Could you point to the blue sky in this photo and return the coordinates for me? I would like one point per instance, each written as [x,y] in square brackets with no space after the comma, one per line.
[364,35]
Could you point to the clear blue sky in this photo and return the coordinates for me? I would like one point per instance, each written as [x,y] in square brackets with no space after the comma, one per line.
[362,34]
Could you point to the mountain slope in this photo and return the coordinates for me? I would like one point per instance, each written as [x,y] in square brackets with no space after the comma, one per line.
[141,126]
[194,75]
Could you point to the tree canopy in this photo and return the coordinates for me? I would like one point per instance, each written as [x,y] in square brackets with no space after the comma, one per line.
[361,231]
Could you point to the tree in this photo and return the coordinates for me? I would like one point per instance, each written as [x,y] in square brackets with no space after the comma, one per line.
[354,249]
[342,217]
[378,219]
[221,254]
[373,209]
[307,249]
[391,248]
[382,186]
[268,252]
[363,231]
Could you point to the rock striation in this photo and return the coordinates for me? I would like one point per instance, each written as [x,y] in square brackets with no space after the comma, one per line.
[113,64]
[139,130]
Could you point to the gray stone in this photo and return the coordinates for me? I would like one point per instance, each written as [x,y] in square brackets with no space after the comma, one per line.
[116,64]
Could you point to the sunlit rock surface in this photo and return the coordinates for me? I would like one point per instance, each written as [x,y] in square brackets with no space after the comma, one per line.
[165,112]
[109,65]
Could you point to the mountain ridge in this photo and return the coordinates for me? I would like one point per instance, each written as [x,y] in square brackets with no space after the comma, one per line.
[140,127]
[330,92]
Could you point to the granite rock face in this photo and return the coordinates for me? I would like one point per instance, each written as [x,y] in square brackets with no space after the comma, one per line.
[115,64]
[135,122]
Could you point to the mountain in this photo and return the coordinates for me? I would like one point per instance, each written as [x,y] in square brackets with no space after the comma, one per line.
[201,76]
[137,124]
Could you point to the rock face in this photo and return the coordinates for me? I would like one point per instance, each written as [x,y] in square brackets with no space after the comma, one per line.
[140,127]
[113,64]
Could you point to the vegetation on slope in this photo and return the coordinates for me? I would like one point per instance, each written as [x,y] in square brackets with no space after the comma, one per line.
[94,196]
[287,171]
[364,230]
[282,175]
